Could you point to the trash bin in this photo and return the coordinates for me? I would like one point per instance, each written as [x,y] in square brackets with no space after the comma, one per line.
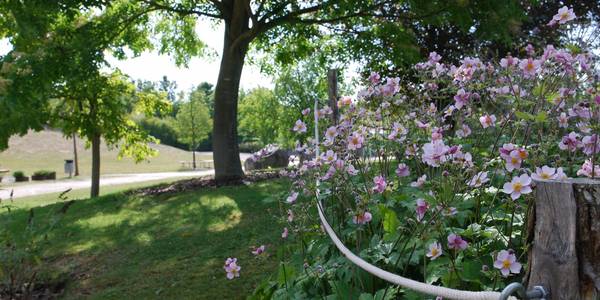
[69,167]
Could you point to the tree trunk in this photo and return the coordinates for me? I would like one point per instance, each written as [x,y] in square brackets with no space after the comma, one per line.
[192,113]
[194,159]
[75,159]
[95,166]
[565,257]
[226,154]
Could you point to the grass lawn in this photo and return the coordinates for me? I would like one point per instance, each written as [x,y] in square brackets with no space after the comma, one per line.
[45,199]
[47,150]
[162,247]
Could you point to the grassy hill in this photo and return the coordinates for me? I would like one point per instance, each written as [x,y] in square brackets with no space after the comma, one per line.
[47,150]
[170,246]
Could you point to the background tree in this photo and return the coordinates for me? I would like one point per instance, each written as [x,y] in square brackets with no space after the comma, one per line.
[193,123]
[53,74]
[296,88]
[100,109]
[169,87]
[209,96]
[260,116]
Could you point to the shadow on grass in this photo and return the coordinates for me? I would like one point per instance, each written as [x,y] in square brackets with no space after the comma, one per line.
[169,246]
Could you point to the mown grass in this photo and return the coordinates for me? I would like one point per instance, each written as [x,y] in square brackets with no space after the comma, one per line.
[79,194]
[121,246]
[47,150]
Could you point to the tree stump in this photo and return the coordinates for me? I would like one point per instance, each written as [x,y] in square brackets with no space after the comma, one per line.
[565,231]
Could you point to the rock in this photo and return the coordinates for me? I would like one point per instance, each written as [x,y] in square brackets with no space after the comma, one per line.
[269,157]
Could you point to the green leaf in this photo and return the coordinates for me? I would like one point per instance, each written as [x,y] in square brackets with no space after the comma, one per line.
[541,117]
[524,116]
[472,270]
[386,294]
[390,221]
[365,296]
[286,274]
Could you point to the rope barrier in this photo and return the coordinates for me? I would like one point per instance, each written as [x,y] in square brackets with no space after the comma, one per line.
[403,281]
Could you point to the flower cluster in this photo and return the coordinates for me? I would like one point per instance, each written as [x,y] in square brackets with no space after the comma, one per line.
[453,157]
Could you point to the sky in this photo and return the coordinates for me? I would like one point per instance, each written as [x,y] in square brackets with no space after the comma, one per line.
[152,66]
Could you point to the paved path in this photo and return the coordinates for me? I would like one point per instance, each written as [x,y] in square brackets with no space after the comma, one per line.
[33,189]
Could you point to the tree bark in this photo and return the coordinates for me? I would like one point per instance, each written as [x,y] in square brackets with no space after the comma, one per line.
[95,166]
[75,159]
[194,158]
[192,113]
[226,154]
[565,257]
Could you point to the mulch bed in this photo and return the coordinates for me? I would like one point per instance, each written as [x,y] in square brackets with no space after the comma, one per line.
[202,183]
[41,291]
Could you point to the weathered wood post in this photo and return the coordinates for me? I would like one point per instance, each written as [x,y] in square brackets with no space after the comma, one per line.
[332,85]
[565,229]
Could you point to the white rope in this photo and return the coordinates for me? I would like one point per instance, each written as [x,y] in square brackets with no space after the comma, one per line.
[403,281]
[385,275]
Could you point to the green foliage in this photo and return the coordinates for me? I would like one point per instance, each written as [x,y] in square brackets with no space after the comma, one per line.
[18,174]
[177,35]
[259,116]
[43,173]
[192,122]
[162,129]
[296,88]
[103,107]
[53,72]
[22,264]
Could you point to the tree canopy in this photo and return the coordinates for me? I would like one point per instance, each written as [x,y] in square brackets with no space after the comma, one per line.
[58,41]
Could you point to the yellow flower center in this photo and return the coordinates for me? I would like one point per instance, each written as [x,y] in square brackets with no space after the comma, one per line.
[506,264]
[517,187]
[529,66]
[434,252]
[545,176]
[564,15]
[514,160]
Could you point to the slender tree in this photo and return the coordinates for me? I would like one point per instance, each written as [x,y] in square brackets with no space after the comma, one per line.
[193,122]
[53,74]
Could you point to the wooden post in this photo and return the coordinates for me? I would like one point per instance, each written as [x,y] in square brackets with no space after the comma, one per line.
[332,85]
[564,228]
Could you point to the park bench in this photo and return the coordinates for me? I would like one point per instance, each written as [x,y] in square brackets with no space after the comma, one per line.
[2,172]
[200,164]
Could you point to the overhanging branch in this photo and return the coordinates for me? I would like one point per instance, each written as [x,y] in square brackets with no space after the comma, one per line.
[182,11]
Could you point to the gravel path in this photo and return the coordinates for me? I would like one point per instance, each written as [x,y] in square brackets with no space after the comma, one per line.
[33,189]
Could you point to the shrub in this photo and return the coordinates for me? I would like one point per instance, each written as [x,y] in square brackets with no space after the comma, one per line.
[162,129]
[25,272]
[250,146]
[432,180]
[43,175]
[18,174]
